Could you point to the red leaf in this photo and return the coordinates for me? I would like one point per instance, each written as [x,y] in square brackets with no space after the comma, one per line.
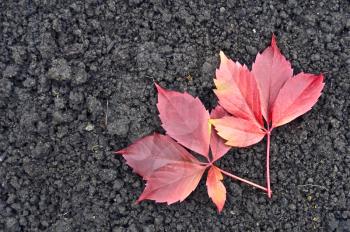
[172,173]
[153,152]
[282,98]
[271,70]
[217,144]
[296,97]
[237,90]
[216,189]
[173,182]
[185,119]
[237,131]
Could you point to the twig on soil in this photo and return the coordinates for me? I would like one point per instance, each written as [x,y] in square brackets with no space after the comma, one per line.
[313,185]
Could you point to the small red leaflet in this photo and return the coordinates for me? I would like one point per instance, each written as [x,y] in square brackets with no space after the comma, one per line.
[269,91]
[172,172]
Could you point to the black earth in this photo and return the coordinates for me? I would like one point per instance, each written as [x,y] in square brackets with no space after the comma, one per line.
[76,83]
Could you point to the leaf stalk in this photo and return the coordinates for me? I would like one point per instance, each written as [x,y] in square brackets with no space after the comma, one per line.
[268,182]
[243,180]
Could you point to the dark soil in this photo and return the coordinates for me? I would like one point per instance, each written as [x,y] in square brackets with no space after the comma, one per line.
[76,83]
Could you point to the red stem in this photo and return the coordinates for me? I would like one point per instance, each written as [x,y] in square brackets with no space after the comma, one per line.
[243,180]
[269,193]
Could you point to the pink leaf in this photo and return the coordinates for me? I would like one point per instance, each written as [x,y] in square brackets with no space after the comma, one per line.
[237,90]
[154,151]
[296,97]
[185,119]
[173,182]
[216,189]
[217,144]
[237,131]
[271,70]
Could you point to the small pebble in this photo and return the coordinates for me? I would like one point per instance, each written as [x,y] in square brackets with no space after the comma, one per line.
[89,127]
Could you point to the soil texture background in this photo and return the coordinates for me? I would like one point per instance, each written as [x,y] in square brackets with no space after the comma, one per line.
[76,83]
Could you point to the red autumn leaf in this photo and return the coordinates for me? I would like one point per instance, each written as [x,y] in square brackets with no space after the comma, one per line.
[154,151]
[216,189]
[237,90]
[306,89]
[238,93]
[171,172]
[281,97]
[271,70]
[185,119]
[271,86]
[217,145]
[173,182]
[237,131]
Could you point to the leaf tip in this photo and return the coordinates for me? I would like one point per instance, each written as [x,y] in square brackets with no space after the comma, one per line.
[137,202]
[141,198]
[274,42]
[159,88]
[121,152]
[273,39]
[223,58]
[321,76]
[220,208]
